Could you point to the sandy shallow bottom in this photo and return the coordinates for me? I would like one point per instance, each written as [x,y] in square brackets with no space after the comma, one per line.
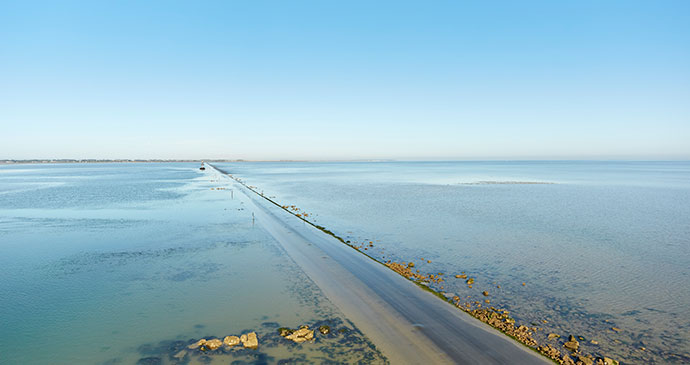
[159,257]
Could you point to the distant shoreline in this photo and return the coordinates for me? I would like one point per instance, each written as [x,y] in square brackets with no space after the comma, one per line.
[66,161]
[75,161]
[509,183]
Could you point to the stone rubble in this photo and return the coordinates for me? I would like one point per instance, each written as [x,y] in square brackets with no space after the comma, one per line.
[500,319]
[301,335]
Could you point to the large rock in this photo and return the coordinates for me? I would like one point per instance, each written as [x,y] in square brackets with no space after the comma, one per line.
[231,340]
[609,361]
[301,335]
[572,344]
[250,340]
[213,344]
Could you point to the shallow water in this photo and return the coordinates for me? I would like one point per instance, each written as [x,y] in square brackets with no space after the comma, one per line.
[598,244]
[128,263]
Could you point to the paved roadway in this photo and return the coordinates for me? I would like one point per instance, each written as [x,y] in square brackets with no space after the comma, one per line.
[409,325]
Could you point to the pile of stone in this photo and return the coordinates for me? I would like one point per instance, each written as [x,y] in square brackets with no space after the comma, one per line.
[500,319]
[405,269]
[302,334]
[573,345]
[248,340]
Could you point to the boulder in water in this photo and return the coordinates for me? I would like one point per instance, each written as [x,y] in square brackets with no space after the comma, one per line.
[250,340]
[609,361]
[572,344]
[213,344]
[231,340]
[301,335]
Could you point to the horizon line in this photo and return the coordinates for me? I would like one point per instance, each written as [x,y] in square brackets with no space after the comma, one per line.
[161,160]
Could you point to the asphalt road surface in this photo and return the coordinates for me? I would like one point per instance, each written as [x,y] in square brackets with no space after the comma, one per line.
[409,325]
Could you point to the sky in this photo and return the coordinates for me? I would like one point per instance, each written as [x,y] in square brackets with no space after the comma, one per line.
[340,80]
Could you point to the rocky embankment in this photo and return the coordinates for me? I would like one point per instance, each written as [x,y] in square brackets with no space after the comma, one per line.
[500,319]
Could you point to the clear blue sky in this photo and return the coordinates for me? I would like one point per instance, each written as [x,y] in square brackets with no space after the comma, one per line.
[345,79]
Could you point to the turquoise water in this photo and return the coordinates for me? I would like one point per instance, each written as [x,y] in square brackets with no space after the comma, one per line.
[129,263]
[599,245]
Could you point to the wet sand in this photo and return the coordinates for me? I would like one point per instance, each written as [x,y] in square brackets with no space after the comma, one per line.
[408,324]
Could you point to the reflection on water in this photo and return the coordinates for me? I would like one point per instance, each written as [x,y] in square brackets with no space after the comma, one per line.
[121,263]
[603,249]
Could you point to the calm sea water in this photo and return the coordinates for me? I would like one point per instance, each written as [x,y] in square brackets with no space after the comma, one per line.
[128,263]
[598,245]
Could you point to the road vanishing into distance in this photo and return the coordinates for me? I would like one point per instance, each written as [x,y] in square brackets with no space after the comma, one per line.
[408,324]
